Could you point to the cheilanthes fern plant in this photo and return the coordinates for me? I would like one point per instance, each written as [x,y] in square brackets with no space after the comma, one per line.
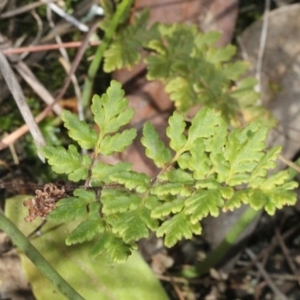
[205,168]
[193,70]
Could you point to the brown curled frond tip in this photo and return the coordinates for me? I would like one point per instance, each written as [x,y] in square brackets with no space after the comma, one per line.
[44,201]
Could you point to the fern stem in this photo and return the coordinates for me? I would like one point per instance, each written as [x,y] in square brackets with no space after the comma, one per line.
[229,240]
[21,241]
[94,66]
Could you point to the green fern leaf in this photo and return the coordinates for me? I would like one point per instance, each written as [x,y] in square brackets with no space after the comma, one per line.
[204,125]
[167,208]
[176,44]
[124,51]
[102,172]
[176,175]
[243,150]
[175,131]
[79,131]
[172,188]
[176,228]
[111,109]
[117,142]
[234,70]
[271,200]
[116,200]
[219,55]
[207,39]
[115,248]
[155,148]
[245,92]
[85,231]
[133,225]
[267,162]
[203,203]
[132,180]
[237,199]
[67,161]
[73,208]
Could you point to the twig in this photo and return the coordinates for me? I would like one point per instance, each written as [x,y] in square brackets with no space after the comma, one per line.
[38,35]
[66,16]
[66,64]
[11,138]
[262,44]
[289,163]
[285,251]
[24,9]
[265,275]
[18,95]
[47,47]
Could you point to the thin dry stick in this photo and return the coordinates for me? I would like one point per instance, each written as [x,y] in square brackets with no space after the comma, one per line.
[289,163]
[47,47]
[37,86]
[23,9]
[66,64]
[286,253]
[267,278]
[38,35]
[19,97]
[262,44]
[11,138]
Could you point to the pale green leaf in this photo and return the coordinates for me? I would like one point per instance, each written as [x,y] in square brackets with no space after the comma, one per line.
[115,248]
[67,161]
[132,180]
[176,175]
[221,54]
[175,131]
[165,209]
[203,203]
[111,109]
[243,150]
[267,162]
[234,70]
[177,228]
[102,172]
[204,124]
[86,231]
[155,148]
[73,208]
[133,225]
[79,131]
[172,188]
[117,142]
[237,199]
[117,200]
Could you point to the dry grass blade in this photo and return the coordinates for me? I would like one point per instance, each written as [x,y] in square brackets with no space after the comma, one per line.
[19,97]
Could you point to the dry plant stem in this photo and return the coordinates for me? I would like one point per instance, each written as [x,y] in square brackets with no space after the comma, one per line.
[262,44]
[18,95]
[37,86]
[23,9]
[47,47]
[11,138]
[66,64]
[20,240]
[267,278]
[287,255]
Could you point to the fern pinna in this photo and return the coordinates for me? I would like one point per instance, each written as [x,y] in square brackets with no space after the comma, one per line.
[206,168]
